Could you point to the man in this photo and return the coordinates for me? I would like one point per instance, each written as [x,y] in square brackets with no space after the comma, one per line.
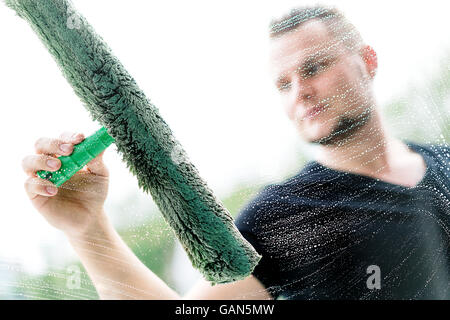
[368,219]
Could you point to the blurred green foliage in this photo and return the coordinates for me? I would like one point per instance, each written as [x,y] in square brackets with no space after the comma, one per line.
[152,241]
[422,113]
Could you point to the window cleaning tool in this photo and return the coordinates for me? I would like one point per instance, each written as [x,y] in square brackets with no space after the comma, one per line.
[82,153]
[146,143]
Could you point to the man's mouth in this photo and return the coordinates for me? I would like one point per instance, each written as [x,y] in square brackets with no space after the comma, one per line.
[314,112]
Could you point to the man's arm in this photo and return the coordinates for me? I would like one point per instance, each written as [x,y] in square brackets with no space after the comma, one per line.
[118,274]
[113,268]
[78,212]
[249,288]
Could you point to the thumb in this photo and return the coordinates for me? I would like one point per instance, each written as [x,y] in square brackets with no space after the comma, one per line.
[97,166]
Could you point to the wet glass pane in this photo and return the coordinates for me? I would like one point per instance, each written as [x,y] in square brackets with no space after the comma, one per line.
[322,129]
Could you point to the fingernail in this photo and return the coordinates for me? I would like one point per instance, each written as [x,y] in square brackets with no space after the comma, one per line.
[51,190]
[65,147]
[52,163]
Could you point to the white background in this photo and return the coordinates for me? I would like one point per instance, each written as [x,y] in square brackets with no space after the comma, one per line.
[204,65]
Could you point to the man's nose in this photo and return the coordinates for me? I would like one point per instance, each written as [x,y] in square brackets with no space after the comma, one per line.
[302,94]
[303,91]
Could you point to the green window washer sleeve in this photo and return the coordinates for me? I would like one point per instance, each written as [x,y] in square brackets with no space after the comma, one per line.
[146,143]
[82,153]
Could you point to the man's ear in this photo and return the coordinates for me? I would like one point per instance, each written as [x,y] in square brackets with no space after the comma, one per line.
[370,60]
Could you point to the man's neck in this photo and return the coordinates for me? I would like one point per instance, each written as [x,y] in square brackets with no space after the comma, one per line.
[369,151]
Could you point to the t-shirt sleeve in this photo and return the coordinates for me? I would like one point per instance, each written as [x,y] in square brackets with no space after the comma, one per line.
[265,271]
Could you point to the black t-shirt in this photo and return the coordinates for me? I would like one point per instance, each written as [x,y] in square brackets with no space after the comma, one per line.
[323,233]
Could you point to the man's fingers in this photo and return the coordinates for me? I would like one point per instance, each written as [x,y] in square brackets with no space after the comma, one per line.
[72,137]
[62,146]
[37,186]
[33,163]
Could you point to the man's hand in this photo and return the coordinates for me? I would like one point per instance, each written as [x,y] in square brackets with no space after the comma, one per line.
[75,206]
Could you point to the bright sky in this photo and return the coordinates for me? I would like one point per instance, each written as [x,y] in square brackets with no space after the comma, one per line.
[204,65]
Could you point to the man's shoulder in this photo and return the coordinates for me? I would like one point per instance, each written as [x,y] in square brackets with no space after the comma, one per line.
[293,193]
[310,175]
[439,153]
[440,150]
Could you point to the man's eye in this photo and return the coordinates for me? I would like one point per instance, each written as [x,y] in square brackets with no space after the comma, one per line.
[284,86]
[314,69]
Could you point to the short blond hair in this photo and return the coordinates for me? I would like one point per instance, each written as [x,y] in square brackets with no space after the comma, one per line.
[337,24]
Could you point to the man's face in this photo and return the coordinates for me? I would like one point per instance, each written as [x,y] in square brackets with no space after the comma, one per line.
[325,88]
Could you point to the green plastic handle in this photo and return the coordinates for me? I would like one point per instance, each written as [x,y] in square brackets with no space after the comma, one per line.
[82,153]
